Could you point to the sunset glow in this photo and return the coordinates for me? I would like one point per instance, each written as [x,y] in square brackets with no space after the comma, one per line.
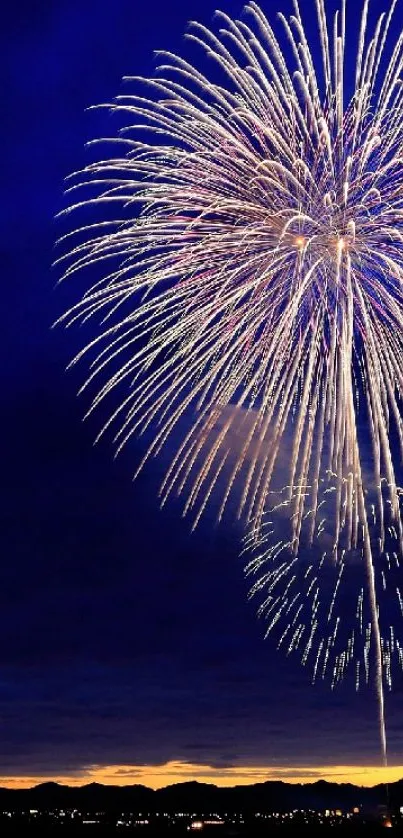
[157,776]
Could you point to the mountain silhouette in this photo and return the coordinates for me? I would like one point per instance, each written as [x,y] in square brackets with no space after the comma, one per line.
[202,798]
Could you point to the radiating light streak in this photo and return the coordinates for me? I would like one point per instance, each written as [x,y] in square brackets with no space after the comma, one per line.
[252,287]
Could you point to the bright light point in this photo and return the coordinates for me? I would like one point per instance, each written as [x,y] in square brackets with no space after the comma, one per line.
[300,242]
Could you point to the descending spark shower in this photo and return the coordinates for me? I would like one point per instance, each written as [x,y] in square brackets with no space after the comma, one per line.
[253,248]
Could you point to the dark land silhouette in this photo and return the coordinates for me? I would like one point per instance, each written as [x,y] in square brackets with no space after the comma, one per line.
[199,798]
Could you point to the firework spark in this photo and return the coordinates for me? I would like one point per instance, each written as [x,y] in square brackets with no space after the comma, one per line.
[256,269]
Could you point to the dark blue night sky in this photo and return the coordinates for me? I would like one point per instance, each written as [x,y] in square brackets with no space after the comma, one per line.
[125,639]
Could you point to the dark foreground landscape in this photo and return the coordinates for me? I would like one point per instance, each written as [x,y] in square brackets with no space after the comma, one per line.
[187,809]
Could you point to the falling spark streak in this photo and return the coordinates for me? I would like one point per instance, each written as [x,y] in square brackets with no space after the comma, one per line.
[253,281]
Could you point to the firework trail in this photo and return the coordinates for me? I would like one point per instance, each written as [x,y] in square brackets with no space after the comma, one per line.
[253,265]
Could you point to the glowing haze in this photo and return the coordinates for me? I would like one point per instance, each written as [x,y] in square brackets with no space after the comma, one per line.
[252,265]
[158,776]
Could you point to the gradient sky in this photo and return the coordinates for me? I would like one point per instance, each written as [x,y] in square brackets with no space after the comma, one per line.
[125,640]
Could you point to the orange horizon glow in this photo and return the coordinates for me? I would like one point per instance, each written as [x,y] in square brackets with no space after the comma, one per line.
[158,776]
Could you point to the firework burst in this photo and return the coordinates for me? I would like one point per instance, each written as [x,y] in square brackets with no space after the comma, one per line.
[256,269]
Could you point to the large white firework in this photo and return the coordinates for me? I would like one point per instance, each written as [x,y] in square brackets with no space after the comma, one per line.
[255,243]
